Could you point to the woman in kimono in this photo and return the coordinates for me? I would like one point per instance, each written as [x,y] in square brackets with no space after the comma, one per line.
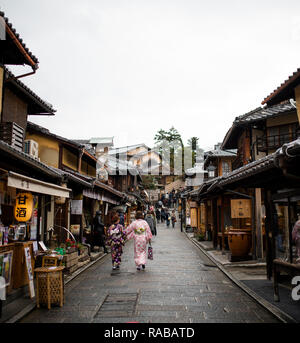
[116,238]
[140,231]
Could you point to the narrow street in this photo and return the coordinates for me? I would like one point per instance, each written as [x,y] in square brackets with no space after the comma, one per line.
[179,286]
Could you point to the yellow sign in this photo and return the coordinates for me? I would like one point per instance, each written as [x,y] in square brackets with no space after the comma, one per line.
[24,207]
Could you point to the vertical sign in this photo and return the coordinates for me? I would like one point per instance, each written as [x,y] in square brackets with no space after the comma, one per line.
[29,271]
[34,221]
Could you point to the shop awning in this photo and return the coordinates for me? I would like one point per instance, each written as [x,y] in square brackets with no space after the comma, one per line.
[105,196]
[33,185]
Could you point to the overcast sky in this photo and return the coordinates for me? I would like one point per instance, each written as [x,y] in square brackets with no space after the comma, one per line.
[127,68]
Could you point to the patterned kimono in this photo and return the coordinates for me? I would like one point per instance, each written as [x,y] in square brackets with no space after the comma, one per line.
[140,231]
[116,239]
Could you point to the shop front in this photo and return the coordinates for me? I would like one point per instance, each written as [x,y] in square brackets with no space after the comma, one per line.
[24,219]
[277,175]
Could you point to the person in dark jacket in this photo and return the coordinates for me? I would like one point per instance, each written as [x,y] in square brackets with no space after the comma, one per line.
[168,218]
[122,218]
[99,231]
[149,219]
[157,212]
[162,215]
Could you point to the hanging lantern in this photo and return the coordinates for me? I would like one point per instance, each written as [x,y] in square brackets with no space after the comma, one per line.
[24,207]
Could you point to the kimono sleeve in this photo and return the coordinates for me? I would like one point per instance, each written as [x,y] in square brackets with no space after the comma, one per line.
[108,236]
[123,235]
[129,231]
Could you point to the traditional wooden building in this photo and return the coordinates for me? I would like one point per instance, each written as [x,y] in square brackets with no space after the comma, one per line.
[78,166]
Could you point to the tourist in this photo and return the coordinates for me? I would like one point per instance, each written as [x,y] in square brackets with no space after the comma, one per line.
[157,212]
[173,218]
[140,231]
[98,232]
[168,218]
[116,238]
[150,221]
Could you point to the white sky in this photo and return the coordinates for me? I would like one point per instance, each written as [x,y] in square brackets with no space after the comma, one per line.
[127,68]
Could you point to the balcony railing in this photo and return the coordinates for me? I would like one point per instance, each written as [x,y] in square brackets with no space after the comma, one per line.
[274,142]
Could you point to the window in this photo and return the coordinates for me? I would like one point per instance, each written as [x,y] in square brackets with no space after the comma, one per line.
[225,168]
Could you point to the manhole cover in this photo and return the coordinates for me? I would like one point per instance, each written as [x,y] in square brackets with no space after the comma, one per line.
[118,305]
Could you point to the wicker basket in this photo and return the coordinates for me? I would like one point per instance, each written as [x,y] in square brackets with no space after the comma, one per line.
[49,286]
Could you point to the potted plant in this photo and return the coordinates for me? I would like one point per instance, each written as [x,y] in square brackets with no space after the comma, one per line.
[70,245]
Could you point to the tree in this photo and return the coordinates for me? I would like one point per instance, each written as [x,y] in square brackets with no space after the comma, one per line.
[169,142]
[193,145]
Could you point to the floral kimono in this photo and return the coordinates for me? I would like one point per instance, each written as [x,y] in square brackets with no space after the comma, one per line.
[116,239]
[140,231]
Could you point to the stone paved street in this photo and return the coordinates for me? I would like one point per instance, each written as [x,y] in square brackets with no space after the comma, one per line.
[179,286]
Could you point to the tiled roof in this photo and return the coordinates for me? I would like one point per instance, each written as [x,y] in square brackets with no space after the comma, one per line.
[262,113]
[48,108]
[29,159]
[46,132]
[102,140]
[122,150]
[259,114]
[19,39]
[110,189]
[221,153]
[73,177]
[252,168]
[285,84]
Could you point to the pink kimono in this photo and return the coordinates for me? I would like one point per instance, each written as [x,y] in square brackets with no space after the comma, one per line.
[140,231]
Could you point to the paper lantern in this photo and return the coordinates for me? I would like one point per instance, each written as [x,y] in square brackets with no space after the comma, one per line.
[24,207]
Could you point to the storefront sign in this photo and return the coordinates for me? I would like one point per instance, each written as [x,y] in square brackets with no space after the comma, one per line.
[33,185]
[24,207]
[76,207]
[34,221]
[240,208]
[6,260]
[29,271]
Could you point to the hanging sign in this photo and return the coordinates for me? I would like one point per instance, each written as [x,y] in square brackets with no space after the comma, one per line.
[240,208]
[23,207]
[76,207]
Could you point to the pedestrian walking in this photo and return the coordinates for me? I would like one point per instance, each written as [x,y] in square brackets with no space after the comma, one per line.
[154,220]
[116,238]
[150,221]
[122,218]
[157,213]
[173,218]
[162,215]
[98,232]
[139,230]
[168,218]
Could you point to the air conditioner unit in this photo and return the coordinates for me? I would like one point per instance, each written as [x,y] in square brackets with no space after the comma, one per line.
[31,148]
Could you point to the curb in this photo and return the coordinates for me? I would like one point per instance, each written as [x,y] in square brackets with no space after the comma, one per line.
[279,314]
[32,306]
